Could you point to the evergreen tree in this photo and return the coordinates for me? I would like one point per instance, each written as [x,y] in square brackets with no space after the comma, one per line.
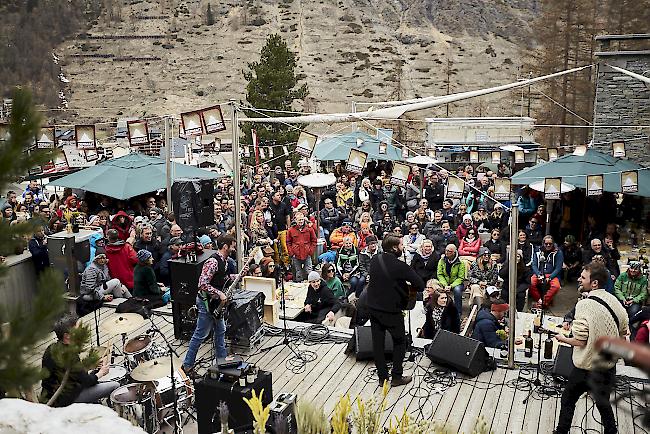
[272,84]
[23,327]
[209,16]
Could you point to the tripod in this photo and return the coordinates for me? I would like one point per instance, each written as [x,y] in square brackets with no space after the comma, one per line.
[279,273]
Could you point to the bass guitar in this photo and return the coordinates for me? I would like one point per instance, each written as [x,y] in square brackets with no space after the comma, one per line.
[216,306]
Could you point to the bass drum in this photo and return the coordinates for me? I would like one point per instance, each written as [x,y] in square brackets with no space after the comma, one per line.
[163,395]
[134,403]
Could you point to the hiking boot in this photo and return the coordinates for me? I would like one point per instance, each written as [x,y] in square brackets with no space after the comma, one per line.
[190,372]
[400,381]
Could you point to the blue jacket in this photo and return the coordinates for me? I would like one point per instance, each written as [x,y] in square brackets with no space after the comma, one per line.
[552,265]
[526,205]
[485,330]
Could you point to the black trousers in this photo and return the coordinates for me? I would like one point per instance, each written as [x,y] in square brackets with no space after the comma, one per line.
[380,323]
[521,295]
[599,385]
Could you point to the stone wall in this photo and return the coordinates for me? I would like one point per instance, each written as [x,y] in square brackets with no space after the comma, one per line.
[623,100]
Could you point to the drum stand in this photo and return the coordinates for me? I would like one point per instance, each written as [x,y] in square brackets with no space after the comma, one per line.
[172,352]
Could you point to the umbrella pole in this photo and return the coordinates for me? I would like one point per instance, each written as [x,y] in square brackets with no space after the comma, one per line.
[512,281]
[549,210]
[237,185]
[168,164]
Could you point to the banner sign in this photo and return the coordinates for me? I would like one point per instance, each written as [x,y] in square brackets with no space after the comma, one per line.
[455,188]
[400,174]
[552,188]
[85,136]
[630,181]
[594,185]
[213,120]
[306,144]
[356,161]
[46,138]
[502,189]
[138,133]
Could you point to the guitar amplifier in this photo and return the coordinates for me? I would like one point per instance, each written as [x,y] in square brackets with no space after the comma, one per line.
[184,316]
[244,315]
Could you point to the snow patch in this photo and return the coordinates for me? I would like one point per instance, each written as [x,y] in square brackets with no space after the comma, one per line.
[63,78]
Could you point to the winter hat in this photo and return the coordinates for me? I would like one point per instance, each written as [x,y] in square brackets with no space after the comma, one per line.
[500,307]
[204,239]
[157,210]
[143,255]
[483,251]
[491,290]
[99,251]
[313,275]
[467,216]
[175,241]
[265,261]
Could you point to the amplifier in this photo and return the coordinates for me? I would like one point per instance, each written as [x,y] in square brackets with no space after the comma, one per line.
[184,316]
[244,314]
[283,411]
[184,277]
[458,352]
[363,341]
[209,393]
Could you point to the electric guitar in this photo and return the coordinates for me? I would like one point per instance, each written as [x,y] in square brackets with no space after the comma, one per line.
[216,306]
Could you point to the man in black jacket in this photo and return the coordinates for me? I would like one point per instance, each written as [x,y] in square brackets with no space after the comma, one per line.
[81,386]
[434,192]
[387,296]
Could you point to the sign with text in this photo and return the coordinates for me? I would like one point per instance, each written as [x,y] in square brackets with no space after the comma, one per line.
[138,133]
[356,161]
[630,181]
[306,144]
[46,138]
[213,120]
[502,189]
[552,188]
[400,174]
[520,157]
[85,136]
[594,185]
[552,154]
[455,188]
[473,156]
[496,157]
[619,149]
[192,125]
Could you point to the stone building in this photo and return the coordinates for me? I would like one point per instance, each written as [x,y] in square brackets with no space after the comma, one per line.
[622,100]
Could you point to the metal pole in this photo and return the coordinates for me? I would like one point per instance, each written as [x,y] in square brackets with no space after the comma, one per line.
[512,279]
[237,184]
[354,110]
[168,164]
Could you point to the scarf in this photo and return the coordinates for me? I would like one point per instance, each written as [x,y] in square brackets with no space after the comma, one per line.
[436,316]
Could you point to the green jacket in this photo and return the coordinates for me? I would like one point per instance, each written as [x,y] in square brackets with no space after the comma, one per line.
[144,282]
[625,288]
[336,286]
[457,274]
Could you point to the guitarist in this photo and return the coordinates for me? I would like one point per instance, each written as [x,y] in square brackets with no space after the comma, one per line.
[387,296]
[211,282]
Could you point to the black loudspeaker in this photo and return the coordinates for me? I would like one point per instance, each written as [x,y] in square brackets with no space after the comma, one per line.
[69,253]
[193,202]
[184,316]
[458,352]
[244,315]
[184,277]
[363,339]
[563,363]
[210,392]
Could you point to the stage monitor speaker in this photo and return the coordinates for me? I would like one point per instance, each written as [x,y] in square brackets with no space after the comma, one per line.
[563,363]
[363,347]
[184,316]
[184,277]
[458,352]
[210,392]
[193,202]
[244,315]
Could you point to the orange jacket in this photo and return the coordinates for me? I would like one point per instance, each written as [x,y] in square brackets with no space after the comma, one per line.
[337,235]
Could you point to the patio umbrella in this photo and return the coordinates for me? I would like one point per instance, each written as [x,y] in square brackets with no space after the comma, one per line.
[539,186]
[129,176]
[573,169]
[337,148]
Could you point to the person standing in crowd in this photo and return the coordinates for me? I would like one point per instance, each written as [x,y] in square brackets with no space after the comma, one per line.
[434,192]
[482,273]
[547,269]
[96,282]
[524,275]
[38,248]
[412,242]
[148,242]
[301,244]
[121,259]
[172,251]
[425,261]
[631,288]
[281,220]
[452,274]
[572,258]
[386,298]
[534,232]
[527,249]
[598,315]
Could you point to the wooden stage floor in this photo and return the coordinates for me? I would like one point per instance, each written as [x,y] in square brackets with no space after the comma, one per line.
[496,396]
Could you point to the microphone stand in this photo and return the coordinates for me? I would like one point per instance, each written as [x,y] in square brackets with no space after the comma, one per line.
[172,353]
[409,348]
[279,272]
[96,326]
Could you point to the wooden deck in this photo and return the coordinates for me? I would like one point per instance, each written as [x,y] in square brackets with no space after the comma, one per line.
[452,399]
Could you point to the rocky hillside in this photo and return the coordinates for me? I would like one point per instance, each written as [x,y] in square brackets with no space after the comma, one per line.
[156,57]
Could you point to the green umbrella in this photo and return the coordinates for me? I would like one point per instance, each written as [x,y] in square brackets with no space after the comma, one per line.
[338,147]
[573,169]
[129,176]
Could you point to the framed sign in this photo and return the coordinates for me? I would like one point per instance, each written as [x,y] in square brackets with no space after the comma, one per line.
[213,120]
[552,188]
[400,174]
[630,181]
[552,154]
[520,157]
[192,125]
[356,161]
[455,188]
[138,133]
[502,189]
[619,149]
[431,153]
[46,138]
[85,136]
[594,185]
[580,150]
[473,156]
[496,157]
[405,152]
[306,144]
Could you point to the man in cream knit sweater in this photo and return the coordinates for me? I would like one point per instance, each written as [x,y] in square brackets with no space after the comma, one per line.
[599,314]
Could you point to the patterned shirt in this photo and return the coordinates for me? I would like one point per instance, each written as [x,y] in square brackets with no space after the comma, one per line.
[210,267]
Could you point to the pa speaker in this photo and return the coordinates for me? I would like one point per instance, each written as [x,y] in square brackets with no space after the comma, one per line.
[193,201]
[563,363]
[458,352]
[184,317]
[184,277]
[363,339]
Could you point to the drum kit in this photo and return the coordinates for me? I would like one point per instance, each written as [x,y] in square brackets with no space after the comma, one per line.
[148,396]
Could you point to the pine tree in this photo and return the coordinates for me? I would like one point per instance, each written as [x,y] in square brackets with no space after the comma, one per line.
[272,84]
[209,16]
[24,326]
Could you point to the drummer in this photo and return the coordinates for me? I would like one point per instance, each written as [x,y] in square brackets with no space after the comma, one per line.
[81,386]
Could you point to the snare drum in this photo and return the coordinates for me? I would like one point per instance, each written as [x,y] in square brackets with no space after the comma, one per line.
[133,402]
[138,350]
[115,373]
[164,398]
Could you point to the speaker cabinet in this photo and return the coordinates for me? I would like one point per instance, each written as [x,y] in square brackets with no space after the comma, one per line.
[563,363]
[244,314]
[184,316]
[458,352]
[184,277]
[363,347]
[210,392]
[193,202]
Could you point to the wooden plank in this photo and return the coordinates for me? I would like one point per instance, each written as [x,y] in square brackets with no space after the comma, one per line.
[289,380]
[547,419]
[334,372]
[483,387]
[406,397]
[502,412]
[518,408]
[446,404]
[532,413]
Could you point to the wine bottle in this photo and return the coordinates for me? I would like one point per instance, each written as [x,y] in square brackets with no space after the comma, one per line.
[528,345]
[548,348]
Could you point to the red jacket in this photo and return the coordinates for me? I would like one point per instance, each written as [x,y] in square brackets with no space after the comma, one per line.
[122,231]
[301,243]
[121,262]
[466,248]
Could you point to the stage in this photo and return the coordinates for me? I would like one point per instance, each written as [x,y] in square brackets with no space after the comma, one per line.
[498,396]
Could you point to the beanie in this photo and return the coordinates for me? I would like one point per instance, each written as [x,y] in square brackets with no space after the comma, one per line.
[204,239]
[313,275]
[99,251]
[143,255]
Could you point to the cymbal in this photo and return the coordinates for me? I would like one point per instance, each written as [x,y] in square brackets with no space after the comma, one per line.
[122,323]
[154,369]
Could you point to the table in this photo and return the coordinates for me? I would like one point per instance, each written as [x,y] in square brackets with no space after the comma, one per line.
[295,294]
